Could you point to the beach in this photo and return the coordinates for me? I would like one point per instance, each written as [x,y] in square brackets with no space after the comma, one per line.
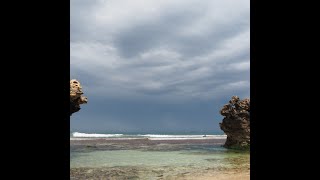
[163,173]
[156,157]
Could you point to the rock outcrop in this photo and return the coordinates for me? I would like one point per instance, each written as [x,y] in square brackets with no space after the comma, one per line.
[236,123]
[76,97]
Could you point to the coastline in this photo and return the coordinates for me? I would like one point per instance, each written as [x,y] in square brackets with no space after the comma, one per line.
[135,173]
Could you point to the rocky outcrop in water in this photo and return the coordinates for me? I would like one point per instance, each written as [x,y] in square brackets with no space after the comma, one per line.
[76,97]
[236,123]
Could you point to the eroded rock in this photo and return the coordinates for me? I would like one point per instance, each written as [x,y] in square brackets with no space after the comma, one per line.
[236,123]
[76,96]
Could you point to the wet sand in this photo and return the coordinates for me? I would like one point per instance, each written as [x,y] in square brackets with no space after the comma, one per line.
[164,173]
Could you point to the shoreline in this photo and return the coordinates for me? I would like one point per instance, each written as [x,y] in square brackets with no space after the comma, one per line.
[159,173]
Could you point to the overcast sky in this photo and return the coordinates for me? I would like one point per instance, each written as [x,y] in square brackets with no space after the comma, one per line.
[158,65]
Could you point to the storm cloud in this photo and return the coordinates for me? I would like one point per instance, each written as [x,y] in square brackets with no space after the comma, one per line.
[166,55]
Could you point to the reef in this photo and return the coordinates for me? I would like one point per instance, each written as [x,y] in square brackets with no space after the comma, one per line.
[76,96]
[236,123]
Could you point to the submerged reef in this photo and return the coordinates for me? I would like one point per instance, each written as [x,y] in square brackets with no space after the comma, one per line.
[236,123]
[76,97]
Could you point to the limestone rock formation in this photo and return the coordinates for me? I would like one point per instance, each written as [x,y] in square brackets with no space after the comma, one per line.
[236,123]
[76,97]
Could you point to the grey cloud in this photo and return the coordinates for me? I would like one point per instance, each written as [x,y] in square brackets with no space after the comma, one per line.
[176,51]
[145,36]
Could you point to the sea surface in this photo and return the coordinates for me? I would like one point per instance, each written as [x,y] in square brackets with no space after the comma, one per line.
[155,156]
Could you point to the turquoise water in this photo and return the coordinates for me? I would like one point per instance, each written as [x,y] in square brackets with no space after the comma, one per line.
[154,158]
[147,163]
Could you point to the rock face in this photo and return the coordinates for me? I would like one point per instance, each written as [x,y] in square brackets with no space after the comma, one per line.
[76,97]
[236,123]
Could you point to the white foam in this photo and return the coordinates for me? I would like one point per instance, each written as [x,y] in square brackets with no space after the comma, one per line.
[77,134]
[87,136]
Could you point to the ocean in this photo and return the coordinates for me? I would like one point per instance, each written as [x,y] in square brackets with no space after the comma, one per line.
[155,156]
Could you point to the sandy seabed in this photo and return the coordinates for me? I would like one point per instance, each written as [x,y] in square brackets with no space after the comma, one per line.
[156,159]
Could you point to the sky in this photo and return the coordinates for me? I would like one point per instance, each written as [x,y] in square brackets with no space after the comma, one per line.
[158,65]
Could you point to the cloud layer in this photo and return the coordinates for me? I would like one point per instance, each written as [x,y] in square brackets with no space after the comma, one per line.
[160,52]
[173,49]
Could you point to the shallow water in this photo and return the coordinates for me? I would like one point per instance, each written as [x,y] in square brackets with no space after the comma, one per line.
[154,161]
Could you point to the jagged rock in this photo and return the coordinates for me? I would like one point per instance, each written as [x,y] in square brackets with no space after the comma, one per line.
[236,123]
[76,97]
